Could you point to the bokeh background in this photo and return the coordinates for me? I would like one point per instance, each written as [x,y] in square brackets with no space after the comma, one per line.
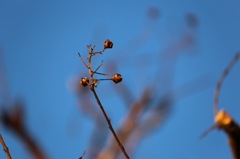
[176,47]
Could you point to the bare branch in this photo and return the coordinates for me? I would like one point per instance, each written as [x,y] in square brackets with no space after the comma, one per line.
[14,120]
[99,66]
[99,52]
[222,77]
[92,84]
[102,79]
[101,73]
[82,155]
[5,148]
[82,59]
[214,126]
[109,123]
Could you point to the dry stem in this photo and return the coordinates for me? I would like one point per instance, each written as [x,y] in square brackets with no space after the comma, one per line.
[219,83]
[83,155]
[109,123]
[5,148]
[93,84]
[222,119]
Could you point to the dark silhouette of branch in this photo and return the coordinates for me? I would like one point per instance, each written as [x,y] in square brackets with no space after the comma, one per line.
[82,155]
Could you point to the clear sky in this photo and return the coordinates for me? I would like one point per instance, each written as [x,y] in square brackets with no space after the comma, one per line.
[39,42]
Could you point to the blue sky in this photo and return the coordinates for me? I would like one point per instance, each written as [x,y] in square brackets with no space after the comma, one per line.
[40,41]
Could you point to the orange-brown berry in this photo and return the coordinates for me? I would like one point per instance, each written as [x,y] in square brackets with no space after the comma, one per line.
[116,78]
[84,81]
[107,44]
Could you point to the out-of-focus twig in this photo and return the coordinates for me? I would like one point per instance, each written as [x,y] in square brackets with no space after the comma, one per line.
[232,129]
[123,91]
[82,155]
[5,148]
[214,126]
[223,120]
[127,125]
[219,83]
[14,120]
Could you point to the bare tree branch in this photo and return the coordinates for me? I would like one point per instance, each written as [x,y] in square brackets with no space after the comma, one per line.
[5,148]
[219,83]
[92,84]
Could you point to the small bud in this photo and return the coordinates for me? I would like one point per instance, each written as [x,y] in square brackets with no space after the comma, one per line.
[84,81]
[107,44]
[117,78]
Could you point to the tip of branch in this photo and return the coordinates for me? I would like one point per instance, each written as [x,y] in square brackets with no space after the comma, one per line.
[82,155]
[214,126]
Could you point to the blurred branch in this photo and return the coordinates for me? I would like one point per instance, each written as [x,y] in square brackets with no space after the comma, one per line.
[232,129]
[14,120]
[138,121]
[219,83]
[123,91]
[214,126]
[127,125]
[83,155]
[147,123]
[223,120]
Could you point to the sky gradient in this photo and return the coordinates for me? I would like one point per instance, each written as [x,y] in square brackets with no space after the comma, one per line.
[39,42]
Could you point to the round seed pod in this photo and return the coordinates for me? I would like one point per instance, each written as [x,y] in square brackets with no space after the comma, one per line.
[84,81]
[116,78]
[107,44]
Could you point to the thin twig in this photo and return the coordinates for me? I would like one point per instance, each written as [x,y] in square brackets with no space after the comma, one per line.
[5,148]
[109,123]
[102,79]
[101,73]
[82,155]
[82,59]
[219,83]
[99,52]
[99,66]
[214,126]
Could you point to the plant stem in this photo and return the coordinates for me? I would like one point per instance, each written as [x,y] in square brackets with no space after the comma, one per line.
[92,85]
[109,123]
[220,81]
[5,148]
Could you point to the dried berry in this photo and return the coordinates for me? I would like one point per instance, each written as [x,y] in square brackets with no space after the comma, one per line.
[107,44]
[84,81]
[116,78]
